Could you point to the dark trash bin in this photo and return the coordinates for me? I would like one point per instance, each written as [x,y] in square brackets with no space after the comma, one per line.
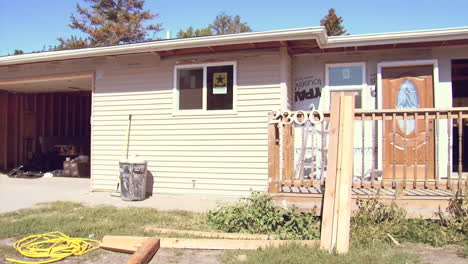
[133,180]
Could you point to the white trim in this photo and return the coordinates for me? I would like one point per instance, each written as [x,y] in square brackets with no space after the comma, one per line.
[91,120]
[312,33]
[441,143]
[397,37]
[204,111]
[317,33]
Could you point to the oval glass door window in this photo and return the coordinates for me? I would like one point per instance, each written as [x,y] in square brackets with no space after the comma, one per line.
[407,98]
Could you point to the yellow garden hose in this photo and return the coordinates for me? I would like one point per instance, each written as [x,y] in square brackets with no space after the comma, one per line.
[55,246]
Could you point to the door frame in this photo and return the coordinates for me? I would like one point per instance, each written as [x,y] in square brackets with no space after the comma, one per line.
[442,142]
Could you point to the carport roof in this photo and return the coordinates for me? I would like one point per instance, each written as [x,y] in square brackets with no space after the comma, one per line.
[298,40]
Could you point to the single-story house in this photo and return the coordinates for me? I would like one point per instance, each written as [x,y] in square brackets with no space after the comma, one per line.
[199,106]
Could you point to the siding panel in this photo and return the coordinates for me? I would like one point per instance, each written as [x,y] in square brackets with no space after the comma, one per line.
[207,154]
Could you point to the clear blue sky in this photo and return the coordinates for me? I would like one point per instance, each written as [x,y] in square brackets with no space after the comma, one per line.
[32,24]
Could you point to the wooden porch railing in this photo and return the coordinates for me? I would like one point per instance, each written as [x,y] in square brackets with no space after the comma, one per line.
[393,149]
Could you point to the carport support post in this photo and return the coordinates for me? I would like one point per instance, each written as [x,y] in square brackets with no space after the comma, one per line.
[336,215]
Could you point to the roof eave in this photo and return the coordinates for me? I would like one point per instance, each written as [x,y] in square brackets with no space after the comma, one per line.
[162,45]
[397,37]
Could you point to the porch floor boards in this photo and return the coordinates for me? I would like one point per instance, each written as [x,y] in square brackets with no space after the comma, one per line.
[371,192]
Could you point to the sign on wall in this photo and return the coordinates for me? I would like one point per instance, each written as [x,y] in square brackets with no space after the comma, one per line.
[307,92]
[220,83]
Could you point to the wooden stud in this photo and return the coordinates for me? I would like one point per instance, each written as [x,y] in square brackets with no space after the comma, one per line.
[60,115]
[5,130]
[145,253]
[51,114]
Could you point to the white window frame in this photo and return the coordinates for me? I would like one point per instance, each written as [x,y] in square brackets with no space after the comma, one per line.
[204,110]
[361,88]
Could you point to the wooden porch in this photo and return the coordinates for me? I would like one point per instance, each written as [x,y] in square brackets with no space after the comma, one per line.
[419,169]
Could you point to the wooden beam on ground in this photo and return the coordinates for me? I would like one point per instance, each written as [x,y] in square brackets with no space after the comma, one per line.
[336,216]
[129,244]
[145,253]
[166,231]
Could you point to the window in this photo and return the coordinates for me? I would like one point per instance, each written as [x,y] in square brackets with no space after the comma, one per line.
[205,87]
[347,77]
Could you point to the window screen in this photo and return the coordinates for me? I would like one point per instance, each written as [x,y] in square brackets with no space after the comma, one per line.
[190,84]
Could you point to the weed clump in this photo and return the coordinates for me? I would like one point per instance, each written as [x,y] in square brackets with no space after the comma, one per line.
[258,214]
[375,221]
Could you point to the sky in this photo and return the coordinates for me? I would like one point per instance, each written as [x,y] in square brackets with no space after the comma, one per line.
[34,24]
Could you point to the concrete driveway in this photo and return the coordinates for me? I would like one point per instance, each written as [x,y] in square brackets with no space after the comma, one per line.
[17,193]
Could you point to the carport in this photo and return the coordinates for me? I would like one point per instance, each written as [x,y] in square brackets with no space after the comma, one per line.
[42,113]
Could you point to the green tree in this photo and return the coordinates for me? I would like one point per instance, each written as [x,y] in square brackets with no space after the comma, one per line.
[110,22]
[190,32]
[227,24]
[223,24]
[18,52]
[332,23]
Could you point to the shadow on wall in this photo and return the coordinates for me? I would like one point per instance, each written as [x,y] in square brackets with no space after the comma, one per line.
[149,184]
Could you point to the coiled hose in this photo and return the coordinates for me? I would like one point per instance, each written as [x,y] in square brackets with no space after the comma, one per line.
[54,245]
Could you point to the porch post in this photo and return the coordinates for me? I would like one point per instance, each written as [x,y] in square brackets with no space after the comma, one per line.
[273,156]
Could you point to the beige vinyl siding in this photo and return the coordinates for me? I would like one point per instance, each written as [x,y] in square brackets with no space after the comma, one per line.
[207,154]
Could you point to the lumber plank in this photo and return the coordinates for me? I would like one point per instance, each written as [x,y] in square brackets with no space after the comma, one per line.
[166,231]
[329,196]
[344,175]
[130,244]
[145,253]
[336,216]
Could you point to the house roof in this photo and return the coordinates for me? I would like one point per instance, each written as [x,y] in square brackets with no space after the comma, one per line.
[298,40]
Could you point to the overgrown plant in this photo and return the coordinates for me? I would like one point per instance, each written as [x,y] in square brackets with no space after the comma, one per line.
[375,220]
[457,217]
[258,214]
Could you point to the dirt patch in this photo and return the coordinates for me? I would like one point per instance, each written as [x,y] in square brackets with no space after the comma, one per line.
[172,256]
[179,256]
[446,255]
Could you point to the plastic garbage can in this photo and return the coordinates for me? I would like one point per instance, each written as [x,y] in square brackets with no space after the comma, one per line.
[133,180]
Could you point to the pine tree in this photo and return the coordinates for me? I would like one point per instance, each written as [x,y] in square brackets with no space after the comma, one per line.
[332,23]
[110,22]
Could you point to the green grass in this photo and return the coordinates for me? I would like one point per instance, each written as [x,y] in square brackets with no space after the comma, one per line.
[292,254]
[77,220]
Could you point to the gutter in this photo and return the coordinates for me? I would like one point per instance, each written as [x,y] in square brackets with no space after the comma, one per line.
[397,37]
